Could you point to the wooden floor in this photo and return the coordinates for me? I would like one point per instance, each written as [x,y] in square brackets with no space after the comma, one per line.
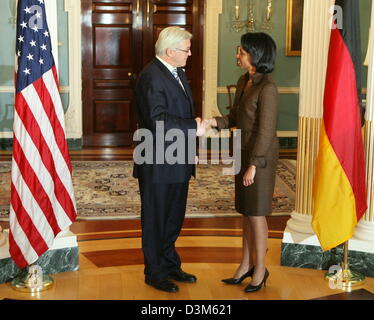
[111,262]
[107,272]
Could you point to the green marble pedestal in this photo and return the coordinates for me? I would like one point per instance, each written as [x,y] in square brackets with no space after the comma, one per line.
[52,262]
[310,256]
[63,256]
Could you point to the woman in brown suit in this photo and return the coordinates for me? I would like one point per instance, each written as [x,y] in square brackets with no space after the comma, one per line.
[255,113]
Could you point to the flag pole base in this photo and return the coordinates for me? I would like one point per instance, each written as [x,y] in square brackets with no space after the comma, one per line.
[32,282]
[345,279]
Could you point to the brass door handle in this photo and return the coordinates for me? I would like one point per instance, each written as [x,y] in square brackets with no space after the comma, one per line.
[132,75]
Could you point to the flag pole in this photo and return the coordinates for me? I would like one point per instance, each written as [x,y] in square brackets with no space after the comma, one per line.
[32,280]
[344,278]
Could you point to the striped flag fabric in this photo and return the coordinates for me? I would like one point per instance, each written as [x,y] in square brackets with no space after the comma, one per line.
[339,187]
[42,196]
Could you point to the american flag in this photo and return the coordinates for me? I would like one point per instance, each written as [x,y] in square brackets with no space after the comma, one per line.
[42,196]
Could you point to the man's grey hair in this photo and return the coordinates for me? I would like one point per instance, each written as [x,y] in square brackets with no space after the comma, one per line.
[170,38]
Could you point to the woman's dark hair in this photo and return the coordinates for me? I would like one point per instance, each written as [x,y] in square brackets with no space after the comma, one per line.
[262,50]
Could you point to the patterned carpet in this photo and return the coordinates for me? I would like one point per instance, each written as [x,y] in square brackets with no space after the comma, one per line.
[107,190]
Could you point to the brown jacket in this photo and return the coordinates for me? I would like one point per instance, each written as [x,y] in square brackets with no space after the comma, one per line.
[255,113]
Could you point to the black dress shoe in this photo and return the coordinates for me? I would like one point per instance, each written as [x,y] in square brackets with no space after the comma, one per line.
[181,276]
[162,284]
[240,279]
[251,288]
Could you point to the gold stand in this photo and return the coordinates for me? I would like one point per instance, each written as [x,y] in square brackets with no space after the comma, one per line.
[32,282]
[344,278]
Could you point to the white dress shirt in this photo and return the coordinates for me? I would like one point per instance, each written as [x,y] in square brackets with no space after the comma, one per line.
[170,68]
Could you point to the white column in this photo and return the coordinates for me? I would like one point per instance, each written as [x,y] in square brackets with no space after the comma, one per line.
[4,245]
[2,238]
[51,12]
[316,36]
[73,116]
[212,11]
[210,77]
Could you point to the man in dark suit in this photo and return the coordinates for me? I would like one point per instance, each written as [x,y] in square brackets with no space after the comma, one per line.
[164,102]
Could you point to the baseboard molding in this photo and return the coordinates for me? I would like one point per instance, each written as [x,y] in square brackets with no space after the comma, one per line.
[7,144]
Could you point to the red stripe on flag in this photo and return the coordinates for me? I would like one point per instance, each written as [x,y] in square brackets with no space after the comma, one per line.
[35,238]
[55,75]
[35,133]
[50,110]
[36,188]
[342,117]
[16,253]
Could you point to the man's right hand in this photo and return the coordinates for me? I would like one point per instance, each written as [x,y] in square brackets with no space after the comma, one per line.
[201,127]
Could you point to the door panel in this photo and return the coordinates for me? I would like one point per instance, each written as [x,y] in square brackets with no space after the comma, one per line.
[109,63]
[118,39]
[111,116]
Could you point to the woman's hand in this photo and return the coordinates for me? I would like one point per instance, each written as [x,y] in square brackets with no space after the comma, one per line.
[249,176]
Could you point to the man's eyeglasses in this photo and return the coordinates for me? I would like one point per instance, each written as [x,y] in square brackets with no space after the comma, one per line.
[185,51]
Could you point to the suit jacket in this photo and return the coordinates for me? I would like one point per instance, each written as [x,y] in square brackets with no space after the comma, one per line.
[255,113]
[160,97]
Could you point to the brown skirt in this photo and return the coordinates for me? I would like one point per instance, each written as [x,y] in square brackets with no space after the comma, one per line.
[256,199]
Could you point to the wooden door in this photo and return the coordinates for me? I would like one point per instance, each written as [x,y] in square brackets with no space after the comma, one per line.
[110,42]
[187,14]
[118,38]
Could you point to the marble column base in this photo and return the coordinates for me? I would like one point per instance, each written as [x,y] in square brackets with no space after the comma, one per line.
[301,247]
[310,256]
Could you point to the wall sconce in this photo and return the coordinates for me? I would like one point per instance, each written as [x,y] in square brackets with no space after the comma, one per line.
[266,25]
[236,24]
[251,23]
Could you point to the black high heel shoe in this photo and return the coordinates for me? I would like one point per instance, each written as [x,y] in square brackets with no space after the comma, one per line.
[239,280]
[251,288]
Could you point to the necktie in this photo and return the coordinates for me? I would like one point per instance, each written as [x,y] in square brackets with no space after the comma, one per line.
[176,76]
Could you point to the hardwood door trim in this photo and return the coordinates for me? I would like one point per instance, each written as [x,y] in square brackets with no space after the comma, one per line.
[87,59]
[198,50]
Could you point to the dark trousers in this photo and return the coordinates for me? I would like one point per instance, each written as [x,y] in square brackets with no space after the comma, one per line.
[162,215]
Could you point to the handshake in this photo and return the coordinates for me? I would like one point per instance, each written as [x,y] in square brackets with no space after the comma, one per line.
[204,125]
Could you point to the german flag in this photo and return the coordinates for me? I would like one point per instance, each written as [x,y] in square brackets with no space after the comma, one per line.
[339,186]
